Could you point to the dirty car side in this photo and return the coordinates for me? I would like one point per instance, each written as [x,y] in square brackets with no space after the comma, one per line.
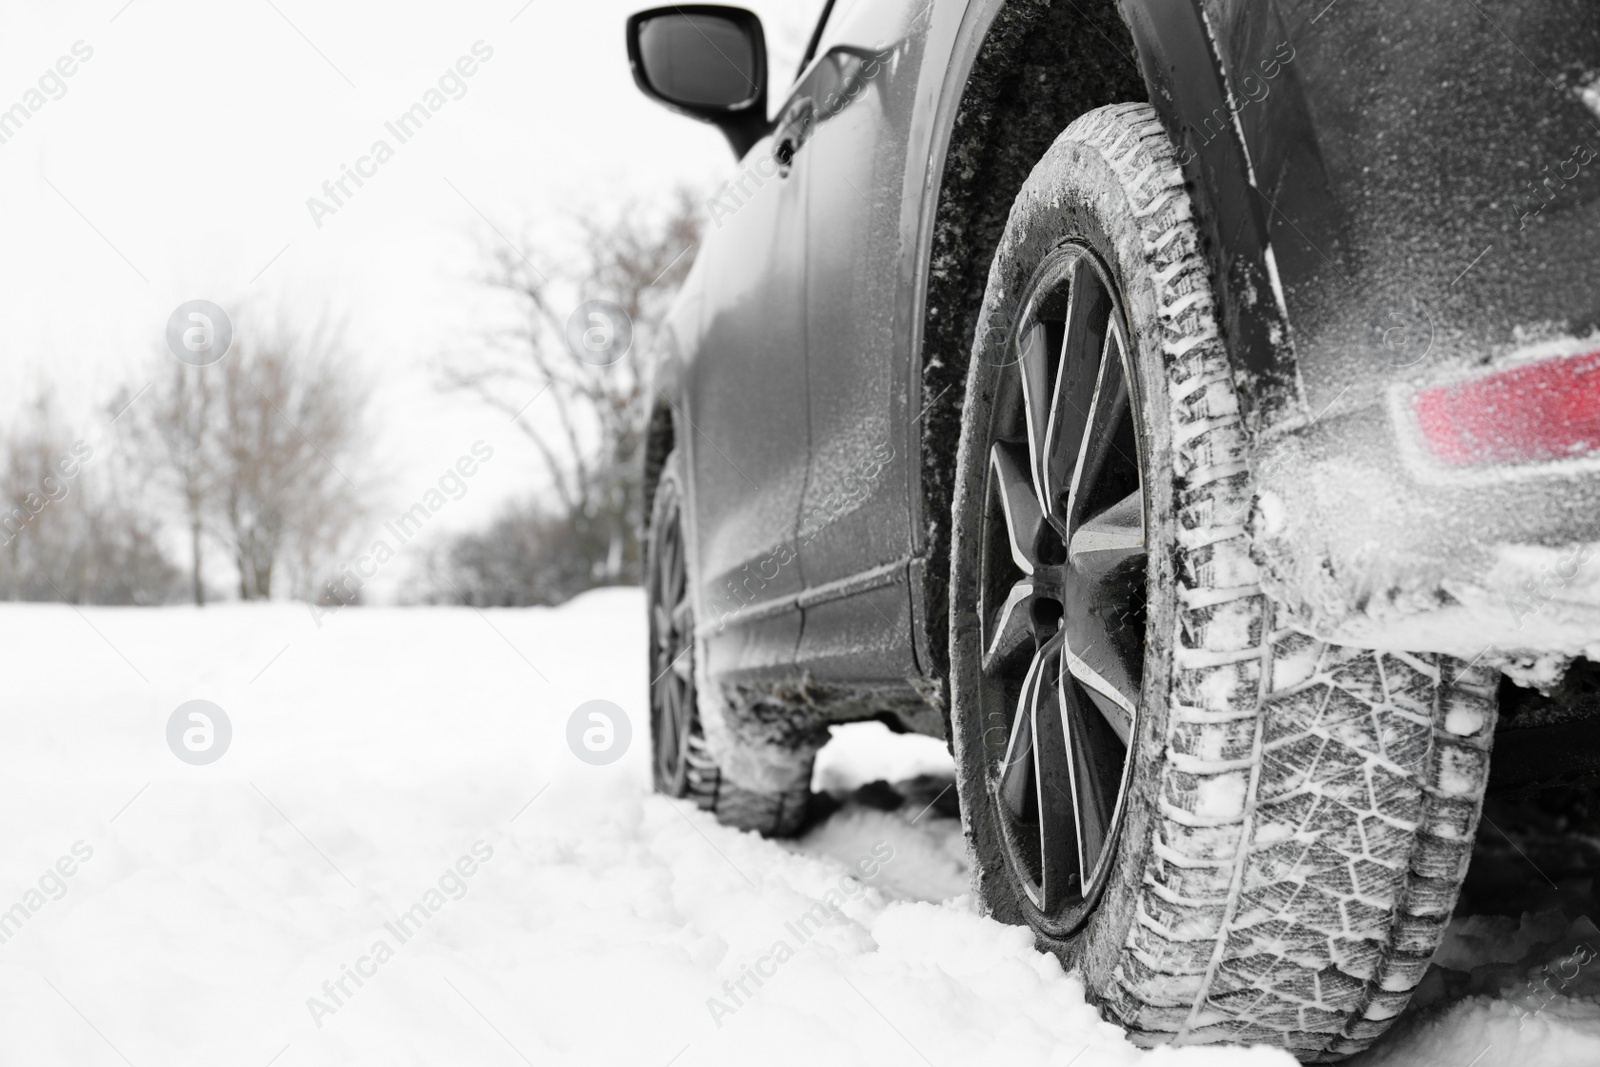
[1400,202]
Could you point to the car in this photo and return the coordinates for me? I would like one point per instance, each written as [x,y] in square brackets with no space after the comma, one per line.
[1190,410]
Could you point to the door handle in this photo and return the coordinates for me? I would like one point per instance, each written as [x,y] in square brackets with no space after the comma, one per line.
[794,130]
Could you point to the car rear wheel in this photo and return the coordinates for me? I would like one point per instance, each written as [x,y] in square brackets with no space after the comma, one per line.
[683,763]
[1236,832]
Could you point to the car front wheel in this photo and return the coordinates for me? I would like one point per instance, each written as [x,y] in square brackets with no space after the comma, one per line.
[1236,832]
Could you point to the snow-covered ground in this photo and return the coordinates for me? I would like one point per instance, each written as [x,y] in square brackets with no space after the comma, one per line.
[399,860]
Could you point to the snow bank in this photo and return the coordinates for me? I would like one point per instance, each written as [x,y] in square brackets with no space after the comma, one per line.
[399,861]
[1504,992]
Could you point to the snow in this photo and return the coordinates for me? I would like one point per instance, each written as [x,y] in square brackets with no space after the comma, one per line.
[1221,796]
[1366,537]
[861,752]
[399,803]
[1295,665]
[1590,95]
[1525,992]
[1464,720]
[930,850]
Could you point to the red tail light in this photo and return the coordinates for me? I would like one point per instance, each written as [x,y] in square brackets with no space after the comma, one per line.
[1529,414]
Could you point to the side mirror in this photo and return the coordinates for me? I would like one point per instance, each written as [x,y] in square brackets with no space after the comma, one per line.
[705,61]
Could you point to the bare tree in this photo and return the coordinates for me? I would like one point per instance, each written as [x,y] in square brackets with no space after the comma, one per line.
[67,530]
[290,422]
[527,555]
[591,447]
[258,449]
[172,428]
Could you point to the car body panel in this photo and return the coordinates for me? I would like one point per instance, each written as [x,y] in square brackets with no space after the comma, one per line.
[740,399]
[856,533]
[1398,150]
[1347,167]
[853,536]
[1194,97]
[854,164]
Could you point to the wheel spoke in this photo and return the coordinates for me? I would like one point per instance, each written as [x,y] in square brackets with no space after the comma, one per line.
[1096,770]
[1116,534]
[685,723]
[1060,870]
[1109,684]
[1019,504]
[678,590]
[666,743]
[1036,363]
[1099,442]
[1016,770]
[1089,309]
[1012,629]
[669,699]
[683,664]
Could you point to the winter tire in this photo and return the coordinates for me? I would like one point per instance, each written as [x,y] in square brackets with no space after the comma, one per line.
[683,765]
[1236,833]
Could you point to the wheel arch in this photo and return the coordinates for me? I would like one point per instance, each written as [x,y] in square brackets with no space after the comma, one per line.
[1011,105]
[660,438]
[1015,98]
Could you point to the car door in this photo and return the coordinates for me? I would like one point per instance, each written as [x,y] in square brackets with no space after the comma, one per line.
[855,530]
[743,425]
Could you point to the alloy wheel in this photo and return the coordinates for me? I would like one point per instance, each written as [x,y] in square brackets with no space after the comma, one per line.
[1062,586]
[673,720]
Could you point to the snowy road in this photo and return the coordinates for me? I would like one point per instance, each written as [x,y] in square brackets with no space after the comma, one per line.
[398,860]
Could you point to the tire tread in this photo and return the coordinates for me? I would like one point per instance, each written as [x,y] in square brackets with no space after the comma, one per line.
[1306,854]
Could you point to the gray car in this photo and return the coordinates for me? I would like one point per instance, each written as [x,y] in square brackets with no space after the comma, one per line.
[1190,409]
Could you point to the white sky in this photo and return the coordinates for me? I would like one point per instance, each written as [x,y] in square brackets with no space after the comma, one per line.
[196,132]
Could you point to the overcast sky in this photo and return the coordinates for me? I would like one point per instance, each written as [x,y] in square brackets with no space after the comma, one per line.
[176,161]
